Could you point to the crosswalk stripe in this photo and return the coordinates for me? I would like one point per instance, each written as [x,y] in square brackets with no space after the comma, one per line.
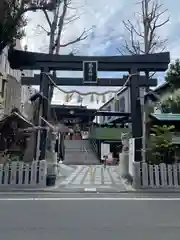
[72,176]
[80,176]
[98,179]
[114,175]
[88,178]
[93,175]
[107,179]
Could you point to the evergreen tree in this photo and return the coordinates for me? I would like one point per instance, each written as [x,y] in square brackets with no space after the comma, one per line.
[12,18]
[173,75]
[171,104]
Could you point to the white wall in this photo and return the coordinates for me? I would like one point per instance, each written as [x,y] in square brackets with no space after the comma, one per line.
[10,79]
[120,108]
[14,94]
[125,94]
[4,64]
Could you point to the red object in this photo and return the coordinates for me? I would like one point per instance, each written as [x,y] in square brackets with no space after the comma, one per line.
[77,137]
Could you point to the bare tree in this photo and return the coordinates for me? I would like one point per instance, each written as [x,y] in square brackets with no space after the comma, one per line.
[144,37]
[12,17]
[57,25]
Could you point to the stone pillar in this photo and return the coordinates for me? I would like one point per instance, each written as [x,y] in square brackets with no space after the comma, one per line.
[124,159]
[52,156]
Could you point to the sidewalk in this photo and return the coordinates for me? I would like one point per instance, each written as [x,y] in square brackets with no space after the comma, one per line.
[83,189]
[130,188]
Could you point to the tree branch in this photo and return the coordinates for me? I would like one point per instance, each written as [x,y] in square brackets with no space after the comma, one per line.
[71,20]
[48,33]
[151,13]
[82,37]
[47,18]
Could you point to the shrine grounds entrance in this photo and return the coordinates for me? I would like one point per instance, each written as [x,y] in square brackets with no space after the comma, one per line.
[90,66]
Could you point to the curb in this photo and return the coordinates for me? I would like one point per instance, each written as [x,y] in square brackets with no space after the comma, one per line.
[82,190]
[130,189]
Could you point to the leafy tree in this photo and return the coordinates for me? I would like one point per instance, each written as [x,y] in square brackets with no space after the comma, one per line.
[173,75]
[160,145]
[12,18]
[171,104]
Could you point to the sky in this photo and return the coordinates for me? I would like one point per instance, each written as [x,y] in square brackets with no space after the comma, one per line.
[105,18]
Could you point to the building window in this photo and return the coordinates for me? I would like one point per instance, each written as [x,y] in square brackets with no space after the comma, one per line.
[109,110]
[117,106]
[122,104]
[3,88]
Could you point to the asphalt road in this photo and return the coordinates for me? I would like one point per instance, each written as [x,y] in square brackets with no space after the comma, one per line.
[89,216]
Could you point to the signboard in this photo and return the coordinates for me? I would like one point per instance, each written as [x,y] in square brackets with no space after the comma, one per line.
[71,120]
[105,150]
[90,69]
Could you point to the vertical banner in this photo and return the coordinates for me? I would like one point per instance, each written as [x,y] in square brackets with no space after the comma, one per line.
[90,69]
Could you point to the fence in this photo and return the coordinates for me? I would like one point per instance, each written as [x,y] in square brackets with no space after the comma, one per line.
[157,176]
[151,175]
[23,175]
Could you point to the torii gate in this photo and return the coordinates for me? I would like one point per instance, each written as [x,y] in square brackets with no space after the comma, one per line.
[133,64]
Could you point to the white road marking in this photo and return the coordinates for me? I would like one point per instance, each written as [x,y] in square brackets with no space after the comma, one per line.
[115,176]
[90,189]
[88,178]
[107,179]
[98,179]
[90,199]
[80,176]
[94,179]
[72,176]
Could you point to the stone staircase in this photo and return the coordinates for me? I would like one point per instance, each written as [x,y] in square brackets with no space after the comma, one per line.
[79,152]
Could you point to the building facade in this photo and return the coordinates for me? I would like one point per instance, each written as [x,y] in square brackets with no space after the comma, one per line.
[10,86]
[12,94]
[121,104]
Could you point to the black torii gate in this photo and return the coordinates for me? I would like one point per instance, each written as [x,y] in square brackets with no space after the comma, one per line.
[132,64]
